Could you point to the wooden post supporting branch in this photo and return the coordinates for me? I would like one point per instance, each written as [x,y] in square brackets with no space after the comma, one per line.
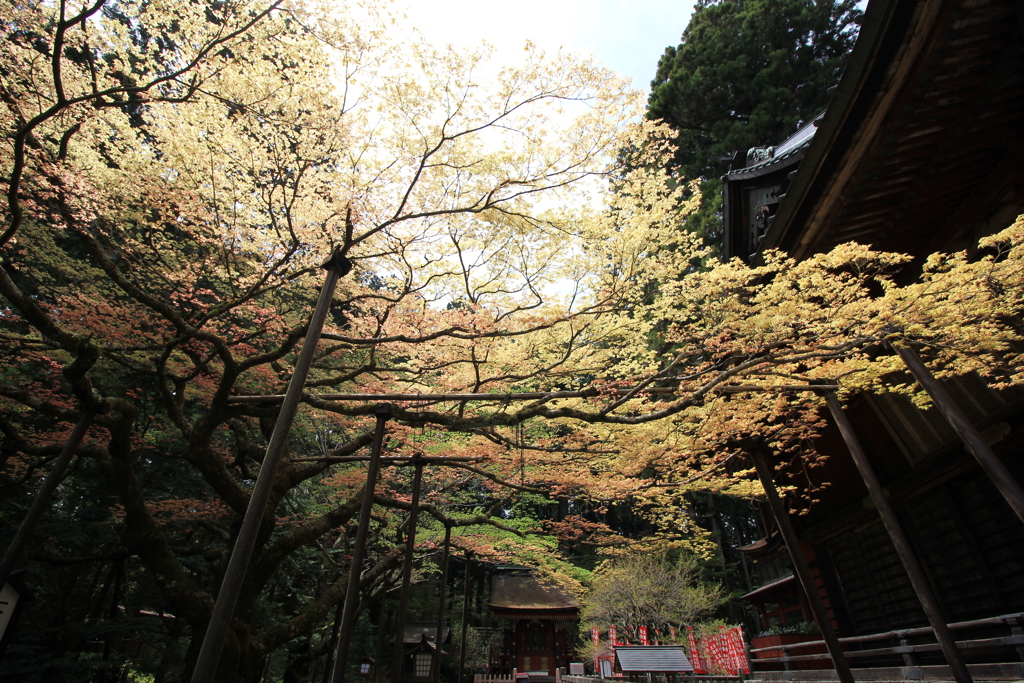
[903,548]
[332,644]
[989,461]
[435,669]
[355,569]
[465,619]
[410,546]
[43,496]
[802,569]
[234,575]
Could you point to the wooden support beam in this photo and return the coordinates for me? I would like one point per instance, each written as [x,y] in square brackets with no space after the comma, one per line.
[465,619]
[435,668]
[989,461]
[400,460]
[403,603]
[43,497]
[538,395]
[355,569]
[801,567]
[224,609]
[918,580]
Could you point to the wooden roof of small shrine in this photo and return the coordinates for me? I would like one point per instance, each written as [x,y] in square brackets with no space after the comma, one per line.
[651,659]
[416,631]
[786,584]
[922,145]
[520,595]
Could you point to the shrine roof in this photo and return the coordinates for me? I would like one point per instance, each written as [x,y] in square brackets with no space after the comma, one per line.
[784,582]
[921,142]
[761,160]
[415,631]
[521,591]
[651,659]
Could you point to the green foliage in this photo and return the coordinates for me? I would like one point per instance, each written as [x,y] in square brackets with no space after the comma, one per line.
[478,647]
[650,590]
[747,73]
[799,628]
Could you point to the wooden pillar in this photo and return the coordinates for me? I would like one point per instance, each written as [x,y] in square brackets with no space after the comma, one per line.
[465,618]
[245,543]
[435,669]
[43,496]
[332,644]
[355,569]
[989,461]
[410,546]
[903,548]
[800,566]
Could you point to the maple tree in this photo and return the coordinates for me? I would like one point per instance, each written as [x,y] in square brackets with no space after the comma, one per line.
[174,178]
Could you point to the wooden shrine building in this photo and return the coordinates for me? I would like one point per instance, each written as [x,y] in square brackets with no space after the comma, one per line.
[921,149]
[420,647]
[539,619]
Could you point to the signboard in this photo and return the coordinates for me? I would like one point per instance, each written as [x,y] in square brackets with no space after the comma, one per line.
[9,597]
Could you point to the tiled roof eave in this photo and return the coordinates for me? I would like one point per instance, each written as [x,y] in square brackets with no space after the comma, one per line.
[768,165]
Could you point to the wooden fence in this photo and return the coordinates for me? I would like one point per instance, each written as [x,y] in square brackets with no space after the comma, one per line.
[1009,647]
[689,678]
[495,678]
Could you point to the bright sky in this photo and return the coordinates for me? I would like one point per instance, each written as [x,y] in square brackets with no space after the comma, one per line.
[627,36]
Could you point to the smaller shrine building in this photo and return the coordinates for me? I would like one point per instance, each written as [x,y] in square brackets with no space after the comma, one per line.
[538,618]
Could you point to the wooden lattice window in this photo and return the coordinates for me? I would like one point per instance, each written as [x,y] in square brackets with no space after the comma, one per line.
[423,661]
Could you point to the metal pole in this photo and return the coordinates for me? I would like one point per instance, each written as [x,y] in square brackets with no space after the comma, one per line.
[355,569]
[44,496]
[803,570]
[988,460]
[410,546]
[234,575]
[465,619]
[903,548]
[435,669]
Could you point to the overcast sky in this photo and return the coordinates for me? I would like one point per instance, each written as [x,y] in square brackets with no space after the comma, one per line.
[625,35]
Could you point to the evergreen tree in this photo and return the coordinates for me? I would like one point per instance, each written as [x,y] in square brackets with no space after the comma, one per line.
[747,73]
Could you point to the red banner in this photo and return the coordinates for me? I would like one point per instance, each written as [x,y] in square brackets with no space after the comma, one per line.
[698,662]
[643,636]
[718,653]
[741,651]
[728,651]
[612,635]
[714,643]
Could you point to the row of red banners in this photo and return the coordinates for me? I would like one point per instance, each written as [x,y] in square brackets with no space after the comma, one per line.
[719,653]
